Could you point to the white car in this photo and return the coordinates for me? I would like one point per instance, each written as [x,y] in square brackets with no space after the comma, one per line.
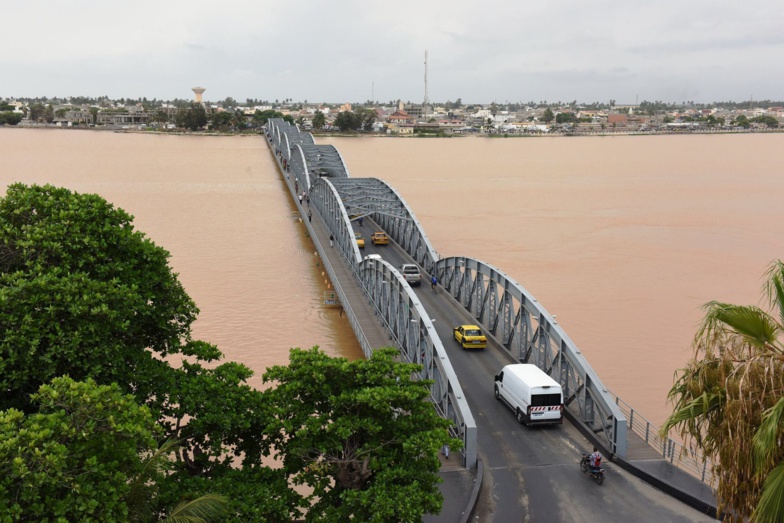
[411,273]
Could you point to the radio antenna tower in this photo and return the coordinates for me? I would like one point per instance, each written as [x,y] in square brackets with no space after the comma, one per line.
[426,102]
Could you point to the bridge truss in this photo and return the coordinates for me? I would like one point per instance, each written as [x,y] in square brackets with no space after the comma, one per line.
[531,335]
[338,199]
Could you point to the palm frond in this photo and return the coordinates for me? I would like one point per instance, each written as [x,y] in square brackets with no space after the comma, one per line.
[774,287]
[693,410]
[771,504]
[766,437]
[754,324]
[206,508]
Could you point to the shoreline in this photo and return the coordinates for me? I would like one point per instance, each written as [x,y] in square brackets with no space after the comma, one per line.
[493,135]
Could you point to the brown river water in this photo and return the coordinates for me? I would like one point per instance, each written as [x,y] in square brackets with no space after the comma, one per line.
[623,238]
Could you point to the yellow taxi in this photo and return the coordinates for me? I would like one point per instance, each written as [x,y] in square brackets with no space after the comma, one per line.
[360,240]
[470,337]
[379,238]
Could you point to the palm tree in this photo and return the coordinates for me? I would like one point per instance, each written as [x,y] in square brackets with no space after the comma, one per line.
[143,489]
[729,403]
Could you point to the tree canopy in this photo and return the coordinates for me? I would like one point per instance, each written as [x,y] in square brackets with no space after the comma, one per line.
[360,120]
[729,403]
[75,458]
[192,117]
[83,294]
[360,434]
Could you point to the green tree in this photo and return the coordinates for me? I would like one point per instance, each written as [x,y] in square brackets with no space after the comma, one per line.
[548,115]
[94,114]
[729,403]
[261,117]
[364,119]
[319,120]
[37,111]
[72,460]
[161,117]
[347,121]
[49,114]
[193,117]
[10,118]
[222,120]
[769,121]
[566,118]
[742,121]
[83,294]
[362,435]
[239,120]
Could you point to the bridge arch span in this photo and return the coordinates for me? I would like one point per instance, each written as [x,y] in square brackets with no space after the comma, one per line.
[377,199]
[530,334]
[412,332]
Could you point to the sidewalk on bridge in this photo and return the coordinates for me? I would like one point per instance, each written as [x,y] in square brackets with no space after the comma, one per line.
[648,465]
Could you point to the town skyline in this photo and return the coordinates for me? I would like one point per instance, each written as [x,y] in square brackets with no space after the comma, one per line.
[502,51]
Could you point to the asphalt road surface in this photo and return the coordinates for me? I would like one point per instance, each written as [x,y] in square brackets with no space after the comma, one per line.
[531,473]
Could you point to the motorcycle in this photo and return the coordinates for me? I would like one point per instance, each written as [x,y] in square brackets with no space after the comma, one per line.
[585,466]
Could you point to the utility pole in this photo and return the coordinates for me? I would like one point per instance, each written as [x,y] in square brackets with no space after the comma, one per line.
[426,102]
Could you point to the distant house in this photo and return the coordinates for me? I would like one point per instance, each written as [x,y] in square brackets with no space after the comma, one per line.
[401,117]
[617,119]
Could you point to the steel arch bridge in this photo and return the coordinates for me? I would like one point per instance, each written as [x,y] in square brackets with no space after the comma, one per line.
[375,198]
[500,304]
[310,162]
[404,317]
[531,335]
[412,332]
[285,136]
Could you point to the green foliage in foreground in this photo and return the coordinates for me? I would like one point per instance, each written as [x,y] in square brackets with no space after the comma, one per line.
[83,294]
[729,403]
[74,458]
[362,435]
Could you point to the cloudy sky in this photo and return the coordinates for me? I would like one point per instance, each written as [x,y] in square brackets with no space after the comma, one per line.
[354,50]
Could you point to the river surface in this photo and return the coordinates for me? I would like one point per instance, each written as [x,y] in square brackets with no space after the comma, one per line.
[623,238]
[218,205]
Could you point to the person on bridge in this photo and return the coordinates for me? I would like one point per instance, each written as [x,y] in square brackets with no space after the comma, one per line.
[433,282]
[595,459]
[331,239]
[310,216]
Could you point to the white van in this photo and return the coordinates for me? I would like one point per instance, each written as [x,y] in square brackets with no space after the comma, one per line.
[534,396]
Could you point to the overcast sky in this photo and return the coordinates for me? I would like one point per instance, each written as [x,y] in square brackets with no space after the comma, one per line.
[354,50]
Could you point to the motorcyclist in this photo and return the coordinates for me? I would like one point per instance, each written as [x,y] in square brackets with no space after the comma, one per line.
[595,461]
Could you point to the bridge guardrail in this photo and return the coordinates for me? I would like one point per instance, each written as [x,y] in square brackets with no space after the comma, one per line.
[676,453]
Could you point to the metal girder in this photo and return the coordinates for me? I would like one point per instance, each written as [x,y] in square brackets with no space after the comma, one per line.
[327,202]
[412,332]
[323,160]
[532,335]
[377,199]
[285,136]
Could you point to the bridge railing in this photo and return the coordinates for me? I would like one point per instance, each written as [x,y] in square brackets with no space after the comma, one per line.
[411,329]
[531,335]
[676,453]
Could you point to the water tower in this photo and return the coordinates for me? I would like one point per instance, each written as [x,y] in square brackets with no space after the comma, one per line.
[199,91]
